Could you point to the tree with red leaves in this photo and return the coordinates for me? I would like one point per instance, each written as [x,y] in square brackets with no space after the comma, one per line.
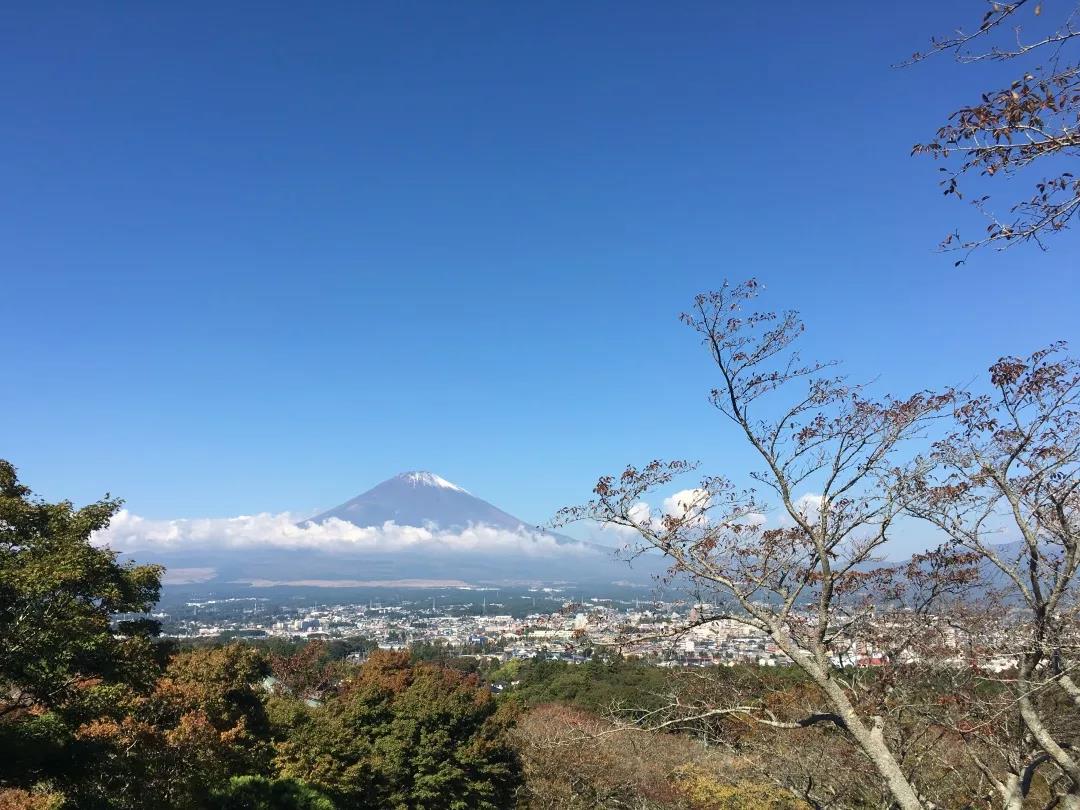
[811,581]
[1004,485]
[1034,121]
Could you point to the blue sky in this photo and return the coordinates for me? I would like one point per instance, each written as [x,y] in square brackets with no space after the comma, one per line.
[259,257]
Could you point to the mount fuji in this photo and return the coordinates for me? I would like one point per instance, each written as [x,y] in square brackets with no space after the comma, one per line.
[421,498]
[416,526]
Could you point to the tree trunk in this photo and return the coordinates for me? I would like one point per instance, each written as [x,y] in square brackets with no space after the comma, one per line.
[869,738]
[1012,795]
[1033,721]
[872,742]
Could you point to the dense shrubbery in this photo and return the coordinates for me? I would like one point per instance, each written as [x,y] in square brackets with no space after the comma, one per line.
[211,733]
[596,685]
[576,759]
[403,735]
[260,793]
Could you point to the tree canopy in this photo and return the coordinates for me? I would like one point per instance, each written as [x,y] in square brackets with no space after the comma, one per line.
[405,735]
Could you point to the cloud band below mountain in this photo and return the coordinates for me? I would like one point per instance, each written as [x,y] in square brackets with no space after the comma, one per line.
[131,533]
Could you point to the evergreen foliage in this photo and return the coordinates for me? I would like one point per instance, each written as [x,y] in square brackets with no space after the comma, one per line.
[404,735]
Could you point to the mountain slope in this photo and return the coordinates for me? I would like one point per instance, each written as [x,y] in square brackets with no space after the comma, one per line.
[422,498]
[414,525]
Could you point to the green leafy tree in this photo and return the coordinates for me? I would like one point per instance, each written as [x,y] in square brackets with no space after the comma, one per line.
[407,736]
[58,593]
[596,685]
[260,793]
[204,722]
[60,660]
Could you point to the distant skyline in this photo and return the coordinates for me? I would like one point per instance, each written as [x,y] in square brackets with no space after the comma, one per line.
[259,258]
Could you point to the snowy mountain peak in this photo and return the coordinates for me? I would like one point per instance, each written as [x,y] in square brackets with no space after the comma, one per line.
[424,500]
[422,478]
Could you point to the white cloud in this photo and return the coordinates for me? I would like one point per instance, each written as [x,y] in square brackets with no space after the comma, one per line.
[640,513]
[808,505]
[754,519]
[129,532]
[687,501]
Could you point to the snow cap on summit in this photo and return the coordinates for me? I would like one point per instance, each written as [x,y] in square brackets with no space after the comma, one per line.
[429,479]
